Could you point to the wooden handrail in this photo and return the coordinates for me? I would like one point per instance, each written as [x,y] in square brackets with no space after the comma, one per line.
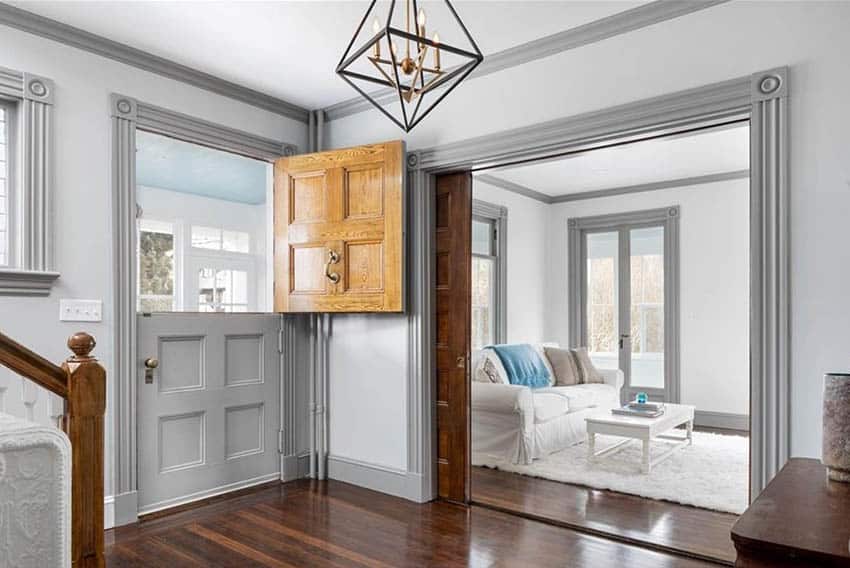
[33,366]
[81,381]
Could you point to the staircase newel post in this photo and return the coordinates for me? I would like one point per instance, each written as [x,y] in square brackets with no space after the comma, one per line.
[85,428]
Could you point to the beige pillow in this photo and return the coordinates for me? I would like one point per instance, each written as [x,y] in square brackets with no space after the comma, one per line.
[487,372]
[564,366]
[586,370]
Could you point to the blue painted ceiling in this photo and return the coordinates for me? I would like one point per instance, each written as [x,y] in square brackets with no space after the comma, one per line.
[180,166]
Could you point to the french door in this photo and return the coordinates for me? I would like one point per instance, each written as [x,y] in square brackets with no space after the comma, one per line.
[627,269]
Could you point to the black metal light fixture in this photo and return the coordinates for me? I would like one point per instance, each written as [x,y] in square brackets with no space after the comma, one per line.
[420,70]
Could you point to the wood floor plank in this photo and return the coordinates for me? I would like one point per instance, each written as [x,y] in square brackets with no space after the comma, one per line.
[668,525]
[309,523]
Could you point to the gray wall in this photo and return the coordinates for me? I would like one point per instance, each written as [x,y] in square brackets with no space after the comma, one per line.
[668,57]
[82,206]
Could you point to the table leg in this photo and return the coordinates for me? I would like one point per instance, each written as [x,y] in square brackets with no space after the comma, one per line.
[646,465]
[690,428]
[591,446]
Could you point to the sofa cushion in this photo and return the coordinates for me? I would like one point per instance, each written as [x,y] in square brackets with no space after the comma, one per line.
[564,366]
[549,405]
[588,372]
[586,395]
[495,372]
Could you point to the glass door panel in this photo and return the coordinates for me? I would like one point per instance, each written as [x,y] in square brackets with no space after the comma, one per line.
[602,312]
[646,309]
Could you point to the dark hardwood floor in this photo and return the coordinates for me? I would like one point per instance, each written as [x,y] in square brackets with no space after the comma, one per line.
[668,526]
[306,523]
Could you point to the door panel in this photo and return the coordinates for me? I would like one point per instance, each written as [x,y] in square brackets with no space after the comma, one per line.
[209,420]
[452,275]
[339,230]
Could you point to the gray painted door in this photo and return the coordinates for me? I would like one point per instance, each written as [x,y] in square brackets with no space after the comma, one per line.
[209,420]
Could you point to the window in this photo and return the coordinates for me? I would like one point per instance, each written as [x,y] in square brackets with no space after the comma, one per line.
[488,298]
[222,290]
[4,185]
[156,266]
[218,239]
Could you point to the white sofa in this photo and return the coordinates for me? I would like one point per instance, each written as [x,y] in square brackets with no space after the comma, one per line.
[520,424]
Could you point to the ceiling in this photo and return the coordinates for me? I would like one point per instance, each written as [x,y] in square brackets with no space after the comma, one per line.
[290,49]
[716,151]
[183,167]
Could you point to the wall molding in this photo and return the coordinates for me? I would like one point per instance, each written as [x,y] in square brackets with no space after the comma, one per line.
[220,490]
[377,477]
[26,282]
[80,39]
[128,114]
[592,32]
[725,420]
[759,98]
[513,187]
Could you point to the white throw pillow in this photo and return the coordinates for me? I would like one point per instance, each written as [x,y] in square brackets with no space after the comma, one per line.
[489,355]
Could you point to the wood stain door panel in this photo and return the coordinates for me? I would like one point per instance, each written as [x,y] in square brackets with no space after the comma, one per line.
[453,274]
[339,230]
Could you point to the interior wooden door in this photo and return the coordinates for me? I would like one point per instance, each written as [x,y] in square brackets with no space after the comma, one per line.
[339,230]
[453,274]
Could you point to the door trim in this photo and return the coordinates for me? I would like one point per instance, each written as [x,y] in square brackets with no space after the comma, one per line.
[128,115]
[760,97]
[668,217]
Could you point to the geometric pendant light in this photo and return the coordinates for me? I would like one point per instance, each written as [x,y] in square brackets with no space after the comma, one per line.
[400,63]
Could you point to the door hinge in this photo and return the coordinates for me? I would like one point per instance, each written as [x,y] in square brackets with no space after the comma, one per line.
[280,341]
[280,441]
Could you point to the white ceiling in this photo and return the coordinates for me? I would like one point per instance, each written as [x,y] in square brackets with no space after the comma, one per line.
[682,156]
[290,49]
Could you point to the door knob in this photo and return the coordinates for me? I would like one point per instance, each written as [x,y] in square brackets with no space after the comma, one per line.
[151,363]
[622,339]
[333,258]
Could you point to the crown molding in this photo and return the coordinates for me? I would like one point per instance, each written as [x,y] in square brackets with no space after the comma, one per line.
[514,187]
[80,39]
[592,32]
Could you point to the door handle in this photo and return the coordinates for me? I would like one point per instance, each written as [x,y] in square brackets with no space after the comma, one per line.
[151,363]
[333,258]
[622,339]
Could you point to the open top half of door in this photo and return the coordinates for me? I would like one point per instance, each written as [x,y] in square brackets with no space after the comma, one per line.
[339,230]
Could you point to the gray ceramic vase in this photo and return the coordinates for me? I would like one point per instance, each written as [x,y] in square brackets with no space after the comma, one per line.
[836,425]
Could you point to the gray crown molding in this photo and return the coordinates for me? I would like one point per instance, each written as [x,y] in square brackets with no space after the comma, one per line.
[711,104]
[513,187]
[128,115]
[621,23]
[653,186]
[75,37]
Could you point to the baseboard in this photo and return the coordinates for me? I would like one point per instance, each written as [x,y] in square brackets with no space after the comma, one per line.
[726,420]
[125,508]
[296,466]
[169,503]
[109,512]
[378,478]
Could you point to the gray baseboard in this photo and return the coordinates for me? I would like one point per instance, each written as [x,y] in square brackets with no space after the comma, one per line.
[726,420]
[295,466]
[126,508]
[378,478]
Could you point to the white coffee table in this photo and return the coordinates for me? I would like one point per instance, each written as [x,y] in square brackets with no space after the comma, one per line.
[640,428]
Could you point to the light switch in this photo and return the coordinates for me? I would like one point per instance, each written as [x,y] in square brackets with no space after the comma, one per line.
[80,310]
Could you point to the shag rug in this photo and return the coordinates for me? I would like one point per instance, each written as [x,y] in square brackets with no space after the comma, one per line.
[712,473]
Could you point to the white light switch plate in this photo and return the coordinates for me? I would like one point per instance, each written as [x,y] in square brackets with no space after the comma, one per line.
[80,310]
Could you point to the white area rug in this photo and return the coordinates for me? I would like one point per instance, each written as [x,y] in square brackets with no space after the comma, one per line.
[712,473]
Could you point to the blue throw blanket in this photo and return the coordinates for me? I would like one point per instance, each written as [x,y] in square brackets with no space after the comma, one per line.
[523,365]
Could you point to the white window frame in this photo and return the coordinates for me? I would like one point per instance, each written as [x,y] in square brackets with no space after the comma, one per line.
[30,101]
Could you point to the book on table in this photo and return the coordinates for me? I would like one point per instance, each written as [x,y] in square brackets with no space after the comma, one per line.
[646,410]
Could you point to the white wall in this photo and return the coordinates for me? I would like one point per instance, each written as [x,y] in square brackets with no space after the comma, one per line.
[714,284]
[526,261]
[83,183]
[726,41]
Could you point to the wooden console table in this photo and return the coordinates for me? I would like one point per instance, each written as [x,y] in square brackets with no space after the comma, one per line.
[800,519]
